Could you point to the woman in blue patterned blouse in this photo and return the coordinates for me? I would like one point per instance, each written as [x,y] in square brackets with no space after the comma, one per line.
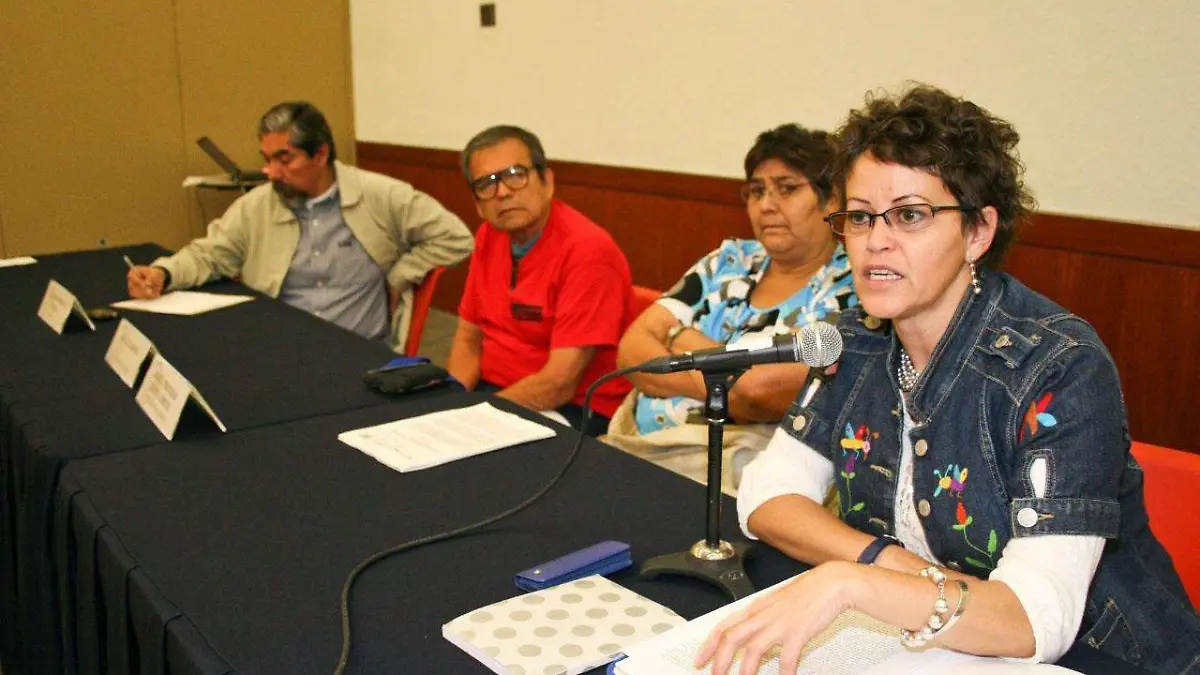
[792,273]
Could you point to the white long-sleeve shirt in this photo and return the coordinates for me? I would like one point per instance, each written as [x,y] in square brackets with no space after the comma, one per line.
[1049,574]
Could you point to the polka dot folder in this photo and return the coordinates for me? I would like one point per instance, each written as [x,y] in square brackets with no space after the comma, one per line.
[563,630]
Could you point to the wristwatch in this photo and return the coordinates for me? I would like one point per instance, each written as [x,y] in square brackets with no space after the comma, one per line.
[873,549]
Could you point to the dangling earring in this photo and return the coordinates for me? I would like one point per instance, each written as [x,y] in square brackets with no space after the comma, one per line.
[975,288]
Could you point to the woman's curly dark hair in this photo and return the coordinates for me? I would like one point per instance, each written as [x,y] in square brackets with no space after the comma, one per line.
[971,150]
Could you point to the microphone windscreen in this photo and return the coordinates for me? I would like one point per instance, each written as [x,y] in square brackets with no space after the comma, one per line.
[820,344]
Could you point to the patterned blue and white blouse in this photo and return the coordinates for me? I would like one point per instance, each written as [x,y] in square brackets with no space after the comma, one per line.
[713,298]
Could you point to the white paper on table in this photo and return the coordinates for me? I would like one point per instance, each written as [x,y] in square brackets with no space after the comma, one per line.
[17,262]
[854,644]
[184,303]
[127,351]
[445,436]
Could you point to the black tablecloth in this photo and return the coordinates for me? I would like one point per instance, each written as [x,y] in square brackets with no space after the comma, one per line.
[227,554]
[231,551]
[256,364]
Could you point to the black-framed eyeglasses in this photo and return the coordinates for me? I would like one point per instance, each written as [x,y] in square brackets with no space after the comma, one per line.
[514,177]
[903,218]
[780,191]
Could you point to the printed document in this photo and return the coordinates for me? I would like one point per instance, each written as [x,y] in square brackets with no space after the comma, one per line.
[444,436]
[184,303]
[854,644]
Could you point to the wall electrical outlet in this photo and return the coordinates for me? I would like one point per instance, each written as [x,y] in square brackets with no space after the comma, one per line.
[487,14]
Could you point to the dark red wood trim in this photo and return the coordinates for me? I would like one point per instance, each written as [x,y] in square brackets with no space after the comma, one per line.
[1150,243]
[641,181]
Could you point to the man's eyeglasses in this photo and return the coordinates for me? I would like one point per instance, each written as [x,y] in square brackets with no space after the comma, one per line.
[905,218]
[781,191]
[514,177]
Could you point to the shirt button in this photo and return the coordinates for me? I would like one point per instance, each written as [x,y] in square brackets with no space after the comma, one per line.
[923,507]
[872,323]
[921,447]
[798,423]
[1027,517]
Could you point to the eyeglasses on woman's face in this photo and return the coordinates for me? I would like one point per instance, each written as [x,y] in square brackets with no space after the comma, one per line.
[782,190]
[905,218]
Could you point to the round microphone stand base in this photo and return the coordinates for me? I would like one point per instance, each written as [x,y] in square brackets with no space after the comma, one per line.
[712,559]
[721,566]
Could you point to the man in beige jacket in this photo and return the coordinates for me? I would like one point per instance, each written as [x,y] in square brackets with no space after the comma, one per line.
[344,244]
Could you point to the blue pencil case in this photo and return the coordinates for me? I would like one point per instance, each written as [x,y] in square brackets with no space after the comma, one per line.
[603,558]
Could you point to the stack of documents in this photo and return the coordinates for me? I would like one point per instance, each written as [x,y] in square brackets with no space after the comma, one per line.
[440,437]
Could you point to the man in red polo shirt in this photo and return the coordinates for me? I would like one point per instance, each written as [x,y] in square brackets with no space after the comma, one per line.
[548,291]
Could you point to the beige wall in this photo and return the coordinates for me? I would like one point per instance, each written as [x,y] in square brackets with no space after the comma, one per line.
[103,103]
[1104,92]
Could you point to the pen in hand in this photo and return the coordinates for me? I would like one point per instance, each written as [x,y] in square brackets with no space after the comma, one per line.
[138,277]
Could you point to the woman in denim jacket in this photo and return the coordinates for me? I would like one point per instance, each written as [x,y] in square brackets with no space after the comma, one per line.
[974,431]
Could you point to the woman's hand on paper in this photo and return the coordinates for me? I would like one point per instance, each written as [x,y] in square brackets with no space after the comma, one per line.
[788,618]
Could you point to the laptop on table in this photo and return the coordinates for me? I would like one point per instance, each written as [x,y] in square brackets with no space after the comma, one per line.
[236,173]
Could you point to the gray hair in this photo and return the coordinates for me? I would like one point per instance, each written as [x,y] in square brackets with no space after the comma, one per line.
[304,124]
[498,134]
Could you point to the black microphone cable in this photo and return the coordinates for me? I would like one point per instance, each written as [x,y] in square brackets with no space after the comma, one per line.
[344,659]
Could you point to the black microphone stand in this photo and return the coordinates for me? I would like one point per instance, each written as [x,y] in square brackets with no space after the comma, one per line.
[713,560]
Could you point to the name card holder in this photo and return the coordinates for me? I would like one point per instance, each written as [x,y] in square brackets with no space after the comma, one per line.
[59,306]
[164,394]
[129,353]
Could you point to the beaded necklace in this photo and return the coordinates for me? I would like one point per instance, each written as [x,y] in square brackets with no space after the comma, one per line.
[906,374]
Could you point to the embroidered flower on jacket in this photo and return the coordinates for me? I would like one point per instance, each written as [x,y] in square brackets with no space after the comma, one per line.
[855,446]
[953,482]
[1037,416]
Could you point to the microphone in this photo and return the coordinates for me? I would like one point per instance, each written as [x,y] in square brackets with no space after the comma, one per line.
[817,345]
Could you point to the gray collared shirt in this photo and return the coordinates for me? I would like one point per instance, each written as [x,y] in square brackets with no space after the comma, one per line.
[331,275]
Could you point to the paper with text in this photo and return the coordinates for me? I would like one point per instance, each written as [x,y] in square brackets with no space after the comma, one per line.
[127,352]
[184,303]
[854,644]
[17,261]
[164,393]
[57,306]
[444,436]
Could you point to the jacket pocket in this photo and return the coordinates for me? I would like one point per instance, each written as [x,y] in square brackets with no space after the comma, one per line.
[1111,634]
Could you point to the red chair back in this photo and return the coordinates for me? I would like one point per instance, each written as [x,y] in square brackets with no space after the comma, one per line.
[1172,476]
[642,298]
[422,300]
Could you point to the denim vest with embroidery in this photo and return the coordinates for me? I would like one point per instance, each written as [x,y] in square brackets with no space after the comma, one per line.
[1015,382]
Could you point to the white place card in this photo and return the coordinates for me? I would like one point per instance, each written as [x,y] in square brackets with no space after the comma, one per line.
[127,352]
[57,306]
[165,392]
